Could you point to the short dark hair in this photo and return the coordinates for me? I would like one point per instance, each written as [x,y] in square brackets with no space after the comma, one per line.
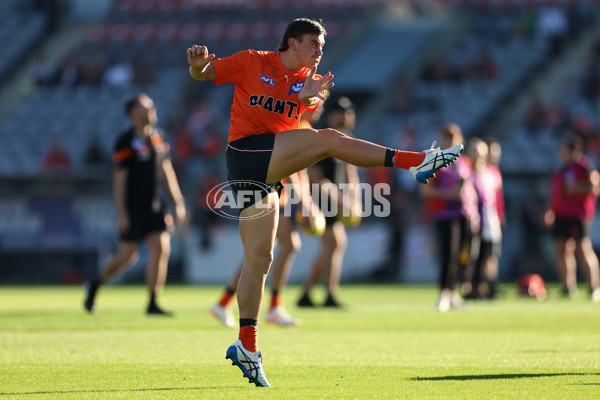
[573,142]
[132,102]
[299,27]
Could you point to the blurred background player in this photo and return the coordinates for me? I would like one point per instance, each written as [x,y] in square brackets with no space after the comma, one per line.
[481,281]
[288,245]
[451,200]
[329,260]
[574,191]
[142,166]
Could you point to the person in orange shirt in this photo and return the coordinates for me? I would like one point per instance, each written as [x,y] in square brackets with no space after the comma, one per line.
[288,243]
[265,145]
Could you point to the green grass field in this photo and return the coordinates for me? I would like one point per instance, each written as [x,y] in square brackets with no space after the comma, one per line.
[388,343]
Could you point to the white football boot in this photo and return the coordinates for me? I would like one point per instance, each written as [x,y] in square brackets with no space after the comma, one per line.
[250,363]
[278,315]
[435,158]
[223,314]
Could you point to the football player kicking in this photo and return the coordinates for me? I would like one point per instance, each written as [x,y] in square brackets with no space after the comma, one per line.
[266,145]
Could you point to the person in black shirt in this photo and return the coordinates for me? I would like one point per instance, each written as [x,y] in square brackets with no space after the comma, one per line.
[328,262]
[141,167]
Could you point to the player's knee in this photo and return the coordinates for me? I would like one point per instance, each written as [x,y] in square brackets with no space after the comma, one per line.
[331,139]
[328,242]
[165,249]
[259,258]
[159,246]
[342,244]
[291,248]
[165,244]
[295,243]
[337,239]
[132,258]
[340,237]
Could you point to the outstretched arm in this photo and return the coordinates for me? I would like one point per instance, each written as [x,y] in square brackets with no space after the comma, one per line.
[200,63]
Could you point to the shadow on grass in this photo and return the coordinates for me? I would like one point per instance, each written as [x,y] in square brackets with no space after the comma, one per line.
[109,390]
[584,384]
[496,376]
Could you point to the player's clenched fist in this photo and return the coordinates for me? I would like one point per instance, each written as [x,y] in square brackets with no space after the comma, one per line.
[199,58]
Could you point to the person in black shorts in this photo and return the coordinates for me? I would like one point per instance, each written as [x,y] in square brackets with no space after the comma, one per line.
[141,167]
[328,262]
[573,196]
[272,91]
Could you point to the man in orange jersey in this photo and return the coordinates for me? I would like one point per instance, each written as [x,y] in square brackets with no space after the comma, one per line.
[141,166]
[265,145]
[288,245]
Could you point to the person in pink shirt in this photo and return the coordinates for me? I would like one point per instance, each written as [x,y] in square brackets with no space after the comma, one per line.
[488,185]
[574,191]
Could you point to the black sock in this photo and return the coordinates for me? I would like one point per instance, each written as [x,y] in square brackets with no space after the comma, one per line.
[389,157]
[152,298]
[248,322]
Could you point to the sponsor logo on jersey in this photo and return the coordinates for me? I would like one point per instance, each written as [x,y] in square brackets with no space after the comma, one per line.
[296,87]
[141,149]
[267,80]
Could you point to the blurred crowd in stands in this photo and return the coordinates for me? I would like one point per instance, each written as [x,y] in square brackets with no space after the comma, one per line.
[575,111]
[139,38]
[140,45]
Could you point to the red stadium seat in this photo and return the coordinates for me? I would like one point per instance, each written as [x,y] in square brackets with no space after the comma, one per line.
[190,32]
[214,31]
[261,30]
[237,31]
[97,33]
[126,5]
[121,33]
[147,5]
[144,32]
[168,32]
[169,5]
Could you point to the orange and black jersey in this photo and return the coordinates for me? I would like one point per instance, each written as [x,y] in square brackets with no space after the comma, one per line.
[142,157]
[266,93]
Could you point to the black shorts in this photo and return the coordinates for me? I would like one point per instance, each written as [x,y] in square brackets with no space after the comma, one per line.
[247,165]
[143,223]
[486,250]
[568,228]
[325,204]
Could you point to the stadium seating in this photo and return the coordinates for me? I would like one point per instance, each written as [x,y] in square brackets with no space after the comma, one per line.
[21,27]
[150,37]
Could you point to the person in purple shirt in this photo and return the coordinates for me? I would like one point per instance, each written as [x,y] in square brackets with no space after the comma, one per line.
[451,200]
[574,191]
